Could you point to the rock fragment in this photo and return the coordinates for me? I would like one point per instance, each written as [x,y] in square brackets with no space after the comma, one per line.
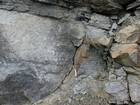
[100,21]
[117,90]
[97,37]
[126,54]
[134,87]
[133,5]
[123,18]
[129,34]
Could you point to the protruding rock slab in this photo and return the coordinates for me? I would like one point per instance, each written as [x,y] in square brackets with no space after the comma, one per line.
[126,54]
[129,34]
[36,54]
[100,21]
[97,37]
[133,5]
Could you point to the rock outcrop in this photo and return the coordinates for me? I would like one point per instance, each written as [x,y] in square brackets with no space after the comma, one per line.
[30,67]
[45,44]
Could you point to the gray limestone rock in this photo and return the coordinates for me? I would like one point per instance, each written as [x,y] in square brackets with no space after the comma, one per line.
[97,37]
[122,19]
[120,72]
[46,7]
[133,5]
[134,87]
[113,27]
[80,88]
[100,21]
[36,53]
[118,90]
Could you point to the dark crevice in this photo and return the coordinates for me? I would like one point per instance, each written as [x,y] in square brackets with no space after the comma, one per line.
[112,104]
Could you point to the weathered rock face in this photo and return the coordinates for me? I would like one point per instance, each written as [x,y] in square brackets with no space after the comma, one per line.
[100,21]
[100,38]
[129,34]
[134,88]
[30,67]
[87,90]
[134,83]
[39,6]
[126,54]
[117,90]
[97,37]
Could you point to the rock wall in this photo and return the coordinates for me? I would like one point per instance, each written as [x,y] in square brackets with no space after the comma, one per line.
[43,41]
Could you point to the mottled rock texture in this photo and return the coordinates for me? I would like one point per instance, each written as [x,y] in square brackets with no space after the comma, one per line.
[97,37]
[134,87]
[42,40]
[89,60]
[55,9]
[129,34]
[126,54]
[36,53]
[117,90]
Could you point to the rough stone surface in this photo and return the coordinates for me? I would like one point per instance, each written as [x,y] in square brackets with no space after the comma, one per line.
[100,38]
[81,55]
[100,21]
[56,10]
[133,5]
[121,20]
[117,90]
[130,70]
[98,88]
[126,54]
[97,37]
[30,67]
[134,87]
[88,60]
[112,29]
[129,34]
[85,91]
[121,74]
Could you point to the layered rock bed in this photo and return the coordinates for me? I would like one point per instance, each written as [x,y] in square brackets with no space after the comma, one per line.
[42,42]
